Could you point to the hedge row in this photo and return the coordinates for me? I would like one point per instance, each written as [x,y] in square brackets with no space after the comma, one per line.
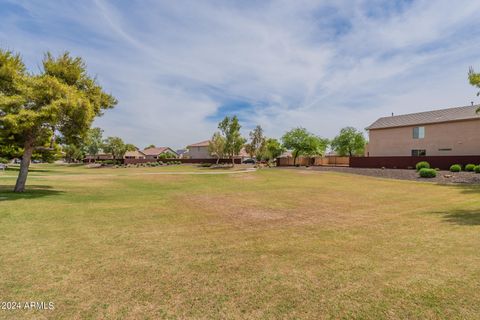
[424,170]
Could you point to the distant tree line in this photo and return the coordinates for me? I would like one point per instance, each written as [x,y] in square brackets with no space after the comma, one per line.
[228,142]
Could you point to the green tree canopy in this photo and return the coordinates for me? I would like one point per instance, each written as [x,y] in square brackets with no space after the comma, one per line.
[349,142]
[216,146]
[130,147]
[115,146]
[230,128]
[61,99]
[167,155]
[273,149]
[304,143]
[257,142]
[474,79]
[94,141]
[73,153]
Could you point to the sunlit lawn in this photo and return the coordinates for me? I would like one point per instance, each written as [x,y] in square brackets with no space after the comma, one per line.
[119,243]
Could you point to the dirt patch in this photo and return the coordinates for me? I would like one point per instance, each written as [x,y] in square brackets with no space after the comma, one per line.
[443,177]
[263,212]
[239,208]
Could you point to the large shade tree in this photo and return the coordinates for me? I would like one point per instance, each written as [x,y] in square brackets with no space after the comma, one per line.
[349,142]
[303,143]
[230,128]
[116,147]
[60,99]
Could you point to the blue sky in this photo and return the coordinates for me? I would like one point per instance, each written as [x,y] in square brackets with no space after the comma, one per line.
[178,67]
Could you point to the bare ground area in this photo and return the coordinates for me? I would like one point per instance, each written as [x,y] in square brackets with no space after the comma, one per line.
[444,177]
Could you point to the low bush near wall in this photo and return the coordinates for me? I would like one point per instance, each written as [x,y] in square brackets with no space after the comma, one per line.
[455,168]
[421,165]
[469,167]
[205,165]
[477,169]
[427,173]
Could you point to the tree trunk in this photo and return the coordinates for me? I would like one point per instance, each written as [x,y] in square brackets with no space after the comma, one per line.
[218,160]
[233,160]
[23,173]
[295,158]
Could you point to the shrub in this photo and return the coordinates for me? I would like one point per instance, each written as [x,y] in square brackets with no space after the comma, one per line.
[3,160]
[477,169]
[456,168]
[427,173]
[205,165]
[437,169]
[469,167]
[107,162]
[421,165]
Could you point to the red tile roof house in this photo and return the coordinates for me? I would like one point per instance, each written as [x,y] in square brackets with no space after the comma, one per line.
[154,153]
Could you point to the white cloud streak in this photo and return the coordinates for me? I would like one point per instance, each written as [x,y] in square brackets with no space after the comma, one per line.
[318,64]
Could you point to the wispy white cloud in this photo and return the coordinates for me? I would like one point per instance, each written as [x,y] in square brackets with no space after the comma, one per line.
[176,66]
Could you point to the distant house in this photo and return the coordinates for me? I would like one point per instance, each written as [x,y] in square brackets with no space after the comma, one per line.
[445,132]
[243,154]
[98,157]
[154,153]
[182,153]
[137,154]
[286,154]
[199,150]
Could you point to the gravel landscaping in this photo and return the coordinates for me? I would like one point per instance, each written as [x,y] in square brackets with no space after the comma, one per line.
[403,174]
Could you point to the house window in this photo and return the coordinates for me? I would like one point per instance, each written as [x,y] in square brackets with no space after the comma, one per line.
[445,149]
[419,152]
[418,132]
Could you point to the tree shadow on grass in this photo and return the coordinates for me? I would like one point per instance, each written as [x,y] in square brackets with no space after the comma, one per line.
[32,192]
[466,217]
[467,188]
[463,217]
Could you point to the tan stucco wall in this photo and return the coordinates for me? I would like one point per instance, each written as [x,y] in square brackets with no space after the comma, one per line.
[199,153]
[463,137]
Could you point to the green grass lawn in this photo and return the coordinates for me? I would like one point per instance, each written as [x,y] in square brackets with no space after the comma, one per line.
[119,243]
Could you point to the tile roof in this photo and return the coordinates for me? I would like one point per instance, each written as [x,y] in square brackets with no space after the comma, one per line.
[135,153]
[435,116]
[156,151]
[200,144]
